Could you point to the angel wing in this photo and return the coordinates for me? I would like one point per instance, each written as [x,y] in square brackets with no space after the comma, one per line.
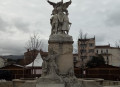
[52,3]
[66,5]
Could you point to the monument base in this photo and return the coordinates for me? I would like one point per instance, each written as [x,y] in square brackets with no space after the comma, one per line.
[61,44]
[49,85]
[48,82]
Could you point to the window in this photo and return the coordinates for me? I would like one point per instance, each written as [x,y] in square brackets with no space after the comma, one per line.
[83,45]
[83,51]
[97,51]
[107,51]
[75,59]
[91,44]
[101,51]
[83,57]
[107,60]
[91,51]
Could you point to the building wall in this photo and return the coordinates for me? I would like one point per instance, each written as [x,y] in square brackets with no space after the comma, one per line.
[110,54]
[28,57]
[76,60]
[115,56]
[86,50]
[75,57]
[105,52]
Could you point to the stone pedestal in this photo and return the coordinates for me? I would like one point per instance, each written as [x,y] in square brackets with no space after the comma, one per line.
[18,83]
[24,83]
[47,82]
[49,85]
[61,44]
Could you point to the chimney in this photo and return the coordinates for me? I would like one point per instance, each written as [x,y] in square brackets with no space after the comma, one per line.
[27,50]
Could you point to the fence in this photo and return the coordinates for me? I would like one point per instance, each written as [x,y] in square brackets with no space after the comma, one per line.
[105,72]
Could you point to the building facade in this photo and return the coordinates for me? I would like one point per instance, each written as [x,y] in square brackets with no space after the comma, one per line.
[86,50]
[111,54]
[115,56]
[76,60]
[30,56]
[104,50]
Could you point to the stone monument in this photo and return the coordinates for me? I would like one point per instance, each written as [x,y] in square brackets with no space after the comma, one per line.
[57,68]
[60,42]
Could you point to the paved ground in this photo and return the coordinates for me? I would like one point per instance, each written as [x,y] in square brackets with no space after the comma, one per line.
[112,86]
[6,84]
[89,84]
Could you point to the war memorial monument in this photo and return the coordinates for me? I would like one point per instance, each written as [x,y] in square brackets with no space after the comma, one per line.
[58,68]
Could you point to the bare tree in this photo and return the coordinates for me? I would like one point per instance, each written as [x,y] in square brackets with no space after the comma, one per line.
[82,35]
[117,44]
[33,45]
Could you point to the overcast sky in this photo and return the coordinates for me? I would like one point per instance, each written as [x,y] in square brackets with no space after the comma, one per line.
[21,18]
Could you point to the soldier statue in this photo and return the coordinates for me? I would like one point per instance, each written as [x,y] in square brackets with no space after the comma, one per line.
[59,20]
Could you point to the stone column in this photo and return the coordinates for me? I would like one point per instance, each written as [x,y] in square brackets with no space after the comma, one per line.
[61,44]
